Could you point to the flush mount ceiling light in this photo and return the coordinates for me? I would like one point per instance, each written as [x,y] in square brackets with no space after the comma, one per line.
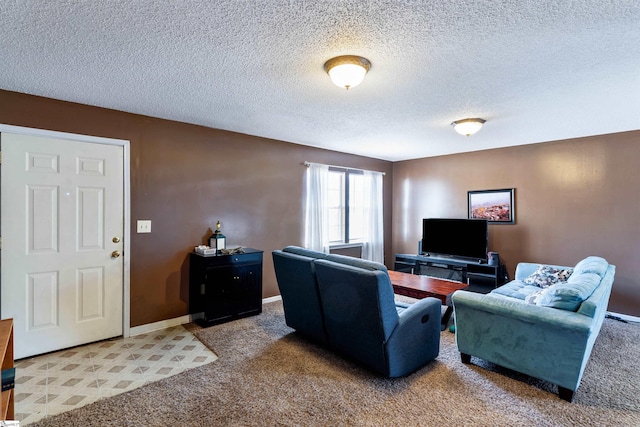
[468,126]
[347,71]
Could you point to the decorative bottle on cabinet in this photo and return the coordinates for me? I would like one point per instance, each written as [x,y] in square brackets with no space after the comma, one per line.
[217,240]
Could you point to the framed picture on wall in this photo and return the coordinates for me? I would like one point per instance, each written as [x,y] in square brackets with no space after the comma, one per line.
[496,206]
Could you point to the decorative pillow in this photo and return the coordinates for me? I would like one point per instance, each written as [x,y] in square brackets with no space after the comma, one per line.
[569,295]
[564,275]
[560,296]
[592,264]
[546,276]
[534,297]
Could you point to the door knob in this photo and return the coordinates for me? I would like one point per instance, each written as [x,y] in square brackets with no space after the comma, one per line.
[116,239]
[115,254]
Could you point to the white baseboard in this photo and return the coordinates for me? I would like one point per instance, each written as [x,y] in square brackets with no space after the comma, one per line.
[162,324]
[169,323]
[271,299]
[626,317]
[187,318]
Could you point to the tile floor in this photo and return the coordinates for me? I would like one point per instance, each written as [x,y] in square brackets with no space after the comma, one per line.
[57,382]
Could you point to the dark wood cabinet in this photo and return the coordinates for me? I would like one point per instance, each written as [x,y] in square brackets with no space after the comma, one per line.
[225,287]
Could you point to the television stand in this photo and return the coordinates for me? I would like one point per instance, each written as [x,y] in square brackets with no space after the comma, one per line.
[480,277]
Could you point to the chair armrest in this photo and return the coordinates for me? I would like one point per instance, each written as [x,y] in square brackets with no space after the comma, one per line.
[403,305]
[415,312]
[416,338]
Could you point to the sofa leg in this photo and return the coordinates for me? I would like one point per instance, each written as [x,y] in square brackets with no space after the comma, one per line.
[466,358]
[565,394]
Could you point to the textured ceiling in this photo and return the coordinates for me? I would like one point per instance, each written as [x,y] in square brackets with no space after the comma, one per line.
[535,70]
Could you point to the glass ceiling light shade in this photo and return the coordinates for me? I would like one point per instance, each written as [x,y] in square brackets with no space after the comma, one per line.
[468,126]
[347,71]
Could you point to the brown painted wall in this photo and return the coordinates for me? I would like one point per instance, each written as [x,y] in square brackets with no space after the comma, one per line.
[185,178]
[573,198]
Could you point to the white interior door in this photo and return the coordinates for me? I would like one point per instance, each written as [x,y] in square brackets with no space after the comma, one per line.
[62,237]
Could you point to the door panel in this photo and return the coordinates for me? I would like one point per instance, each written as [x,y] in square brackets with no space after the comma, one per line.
[90,219]
[62,204]
[42,298]
[90,291]
[42,211]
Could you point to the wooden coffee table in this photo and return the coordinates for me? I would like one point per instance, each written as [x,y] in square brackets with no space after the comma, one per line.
[414,286]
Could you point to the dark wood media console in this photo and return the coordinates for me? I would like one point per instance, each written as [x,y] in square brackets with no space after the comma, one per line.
[480,277]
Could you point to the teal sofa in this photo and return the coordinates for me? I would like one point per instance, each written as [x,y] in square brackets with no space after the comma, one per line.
[545,332]
[347,304]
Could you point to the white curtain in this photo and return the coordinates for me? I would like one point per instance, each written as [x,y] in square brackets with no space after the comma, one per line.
[373,249]
[317,215]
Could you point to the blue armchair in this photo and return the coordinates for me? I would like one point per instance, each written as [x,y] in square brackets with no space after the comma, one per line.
[364,323]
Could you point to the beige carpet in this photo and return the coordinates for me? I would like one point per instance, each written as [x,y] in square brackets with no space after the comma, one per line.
[267,375]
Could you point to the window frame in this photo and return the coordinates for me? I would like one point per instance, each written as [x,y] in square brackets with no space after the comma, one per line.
[347,173]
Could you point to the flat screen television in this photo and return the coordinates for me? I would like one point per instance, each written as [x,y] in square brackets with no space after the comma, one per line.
[458,238]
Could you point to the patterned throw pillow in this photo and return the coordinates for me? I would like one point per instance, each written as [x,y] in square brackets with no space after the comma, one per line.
[546,276]
[534,297]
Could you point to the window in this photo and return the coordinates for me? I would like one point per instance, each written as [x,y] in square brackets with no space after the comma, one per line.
[346,205]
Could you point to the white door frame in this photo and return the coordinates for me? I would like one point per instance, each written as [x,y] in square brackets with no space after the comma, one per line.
[126,267]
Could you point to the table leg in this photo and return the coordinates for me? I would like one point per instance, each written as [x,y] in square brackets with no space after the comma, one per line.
[445,317]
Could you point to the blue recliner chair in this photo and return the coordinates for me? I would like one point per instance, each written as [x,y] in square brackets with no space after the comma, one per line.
[363,322]
[296,276]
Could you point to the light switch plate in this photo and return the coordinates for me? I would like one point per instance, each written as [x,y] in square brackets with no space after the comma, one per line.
[144,226]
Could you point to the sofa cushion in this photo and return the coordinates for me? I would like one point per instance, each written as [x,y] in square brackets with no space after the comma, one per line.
[592,264]
[545,276]
[569,295]
[304,252]
[516,289]
[357,262]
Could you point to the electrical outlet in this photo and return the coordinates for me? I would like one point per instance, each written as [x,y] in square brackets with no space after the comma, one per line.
[144,226]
